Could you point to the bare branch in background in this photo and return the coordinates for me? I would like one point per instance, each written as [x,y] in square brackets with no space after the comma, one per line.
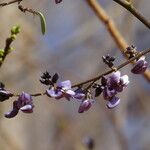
[134,11]
[112,29]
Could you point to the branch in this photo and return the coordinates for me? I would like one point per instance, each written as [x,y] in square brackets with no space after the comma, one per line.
[11,2]
[144,52]
[112,29]
[134,11]
[93,80]
[4,52]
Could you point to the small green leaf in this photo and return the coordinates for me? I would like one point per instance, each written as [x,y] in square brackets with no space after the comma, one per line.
[15,30]
[1,52]
[43,22]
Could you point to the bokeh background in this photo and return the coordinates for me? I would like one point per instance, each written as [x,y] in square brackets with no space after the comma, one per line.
[74,43]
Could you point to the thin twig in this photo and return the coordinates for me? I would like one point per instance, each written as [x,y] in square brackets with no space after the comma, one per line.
[26,9]
[112,29]
[11,2]
[93,80]
[112,70]
[133,10]
[6,49]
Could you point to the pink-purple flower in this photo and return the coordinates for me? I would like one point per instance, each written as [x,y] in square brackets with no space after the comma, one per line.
[23,103]
[113,102]
[85,105]
[63,89]
[114,83]
[140,66]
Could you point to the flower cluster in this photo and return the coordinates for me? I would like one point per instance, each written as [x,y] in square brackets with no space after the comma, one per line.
[63,90]
[110,86]
[114,83]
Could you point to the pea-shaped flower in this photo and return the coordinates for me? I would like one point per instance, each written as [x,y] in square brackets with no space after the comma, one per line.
[24,103]
[140,66]
[63,89]
[85,105]
[115,83]
[113,102]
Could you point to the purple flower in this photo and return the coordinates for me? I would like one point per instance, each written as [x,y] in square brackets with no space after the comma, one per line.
[140,66]
[13,112]
[79,94]
[63,89]
[109,93]
[24,103]
[117,82]
[113,102]
[114,79]
[55,93]
[85,105]
[114,83]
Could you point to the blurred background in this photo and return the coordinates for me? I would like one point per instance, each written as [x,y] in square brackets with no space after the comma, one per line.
[74,43]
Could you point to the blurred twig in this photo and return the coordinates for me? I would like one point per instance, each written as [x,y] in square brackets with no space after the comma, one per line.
[112,29]
[133,10]
[14,31]
[11,2]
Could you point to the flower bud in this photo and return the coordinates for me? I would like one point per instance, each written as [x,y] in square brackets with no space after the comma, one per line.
[140,66]
[4,95]
[85,105]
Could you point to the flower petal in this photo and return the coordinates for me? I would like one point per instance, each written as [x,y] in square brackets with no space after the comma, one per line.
[79,96]
[11,113]
[109,93]
[85,105]
[113,102]
[70,92]
[140,66]
[26,108]
[65,85]
[124,80]
[52,93]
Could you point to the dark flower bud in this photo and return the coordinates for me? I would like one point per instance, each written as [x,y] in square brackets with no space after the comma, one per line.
[46,75]
[85,105]
[131,51]
[55,78]
[58,1]
[4,95]
[45,78]
[140,66]
[45,81]
[108,60]
[103,81]
[13,112]
[98,91]
[2,85]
